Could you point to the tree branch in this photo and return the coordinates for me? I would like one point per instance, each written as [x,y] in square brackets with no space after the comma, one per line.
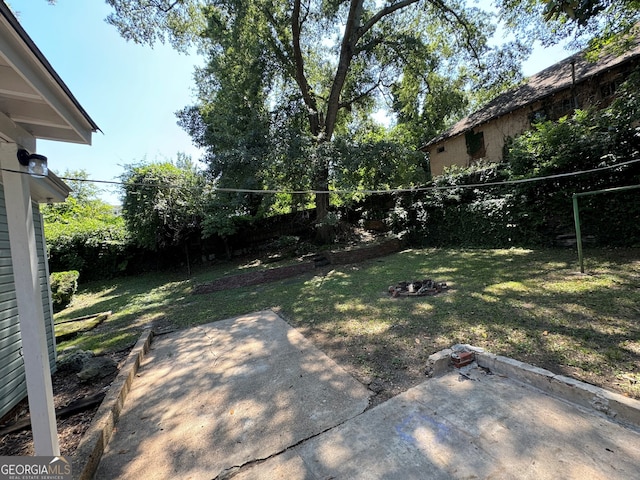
[301,79]
[362,95]
[168,8]
[461,21]
[370,45]
[280,45]
[383,13]
[347,51]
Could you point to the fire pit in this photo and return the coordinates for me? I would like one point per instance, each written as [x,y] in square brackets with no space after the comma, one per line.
[417,288]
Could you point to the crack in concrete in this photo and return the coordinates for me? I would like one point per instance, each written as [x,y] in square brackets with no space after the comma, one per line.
[210,349]
[231,472]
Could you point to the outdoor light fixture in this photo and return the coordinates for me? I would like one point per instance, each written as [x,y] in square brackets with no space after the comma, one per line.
[37,163]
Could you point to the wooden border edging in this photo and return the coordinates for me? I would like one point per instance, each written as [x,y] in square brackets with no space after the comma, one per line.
[87,456]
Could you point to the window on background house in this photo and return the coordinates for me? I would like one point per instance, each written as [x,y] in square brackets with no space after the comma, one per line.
[475,145]
[440,149]
[538,116]
[562,107]
[609,89]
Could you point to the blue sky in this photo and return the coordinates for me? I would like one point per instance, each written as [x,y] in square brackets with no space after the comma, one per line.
[131,91]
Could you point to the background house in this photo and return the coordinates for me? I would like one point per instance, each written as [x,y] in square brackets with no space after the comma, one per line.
[34,103]
[556,91]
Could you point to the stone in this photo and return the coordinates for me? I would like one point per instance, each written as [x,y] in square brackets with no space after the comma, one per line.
[376,386]
[438,363]
[73,360]
[97,367]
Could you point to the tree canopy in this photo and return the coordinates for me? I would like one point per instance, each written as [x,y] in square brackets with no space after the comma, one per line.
[84,233]
[323,62]
[286,96]
[162,202]
[599,22]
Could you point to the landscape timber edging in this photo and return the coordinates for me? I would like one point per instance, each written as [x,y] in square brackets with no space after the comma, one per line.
[335,257]
[87,456]
[362,253]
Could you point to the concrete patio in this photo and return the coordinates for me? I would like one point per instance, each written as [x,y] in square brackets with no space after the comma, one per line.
[251,398]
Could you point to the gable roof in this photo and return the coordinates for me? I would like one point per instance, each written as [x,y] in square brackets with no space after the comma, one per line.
[32,94]
[548,82]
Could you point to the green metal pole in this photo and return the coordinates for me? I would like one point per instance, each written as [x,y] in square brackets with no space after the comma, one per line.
[576,215]
[576,218]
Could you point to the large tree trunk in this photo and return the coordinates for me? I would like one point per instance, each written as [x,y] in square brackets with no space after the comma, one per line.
[321,184]
[321,125]
[324,232]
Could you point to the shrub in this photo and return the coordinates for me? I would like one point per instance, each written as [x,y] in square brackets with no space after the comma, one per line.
[86,236]
[460,211]
[95,248]
[63,287]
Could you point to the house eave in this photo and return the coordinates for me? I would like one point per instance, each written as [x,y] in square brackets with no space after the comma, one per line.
[37,100]
[535,83]
[49,189]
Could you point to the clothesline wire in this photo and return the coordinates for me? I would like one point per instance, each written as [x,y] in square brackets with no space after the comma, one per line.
[354,191]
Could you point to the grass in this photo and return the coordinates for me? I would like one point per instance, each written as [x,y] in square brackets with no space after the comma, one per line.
[69,329]
[531,305]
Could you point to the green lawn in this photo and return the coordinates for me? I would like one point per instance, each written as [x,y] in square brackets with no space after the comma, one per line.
[531,305]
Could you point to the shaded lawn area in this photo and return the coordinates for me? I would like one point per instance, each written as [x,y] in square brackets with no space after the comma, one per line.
[531,305]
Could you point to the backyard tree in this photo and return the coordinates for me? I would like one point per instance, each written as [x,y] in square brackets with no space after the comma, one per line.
[325,60]
[602,22]
[162,202]
[231,124]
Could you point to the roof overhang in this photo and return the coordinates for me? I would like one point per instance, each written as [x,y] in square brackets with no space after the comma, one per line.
[32,94]
[49,189]
[547,83]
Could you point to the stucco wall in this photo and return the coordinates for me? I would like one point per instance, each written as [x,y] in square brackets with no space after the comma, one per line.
[453,150]
[454,153]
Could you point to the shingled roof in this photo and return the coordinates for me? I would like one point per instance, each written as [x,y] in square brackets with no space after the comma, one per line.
[548,82]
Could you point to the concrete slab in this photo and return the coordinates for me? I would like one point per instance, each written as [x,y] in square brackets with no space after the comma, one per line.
[491,427]
[250,399]
[218,396]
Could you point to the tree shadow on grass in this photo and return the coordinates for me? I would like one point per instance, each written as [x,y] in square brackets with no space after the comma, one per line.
[530,305]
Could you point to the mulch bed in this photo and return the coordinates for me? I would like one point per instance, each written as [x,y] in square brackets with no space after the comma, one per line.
[254,278]
[67,388]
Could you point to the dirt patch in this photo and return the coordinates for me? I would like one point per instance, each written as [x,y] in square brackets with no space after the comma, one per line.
[66,389]
[387,367]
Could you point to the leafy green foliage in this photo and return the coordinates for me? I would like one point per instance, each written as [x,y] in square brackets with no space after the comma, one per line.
[534,213]
[584,140]
[325,65]
[64,286]
[84,233]
[163,202]
[231,121]
[453,214]
[177,22]
[602,23]
[375,163]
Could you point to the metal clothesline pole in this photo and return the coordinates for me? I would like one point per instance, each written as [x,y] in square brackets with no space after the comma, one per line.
[576,215]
